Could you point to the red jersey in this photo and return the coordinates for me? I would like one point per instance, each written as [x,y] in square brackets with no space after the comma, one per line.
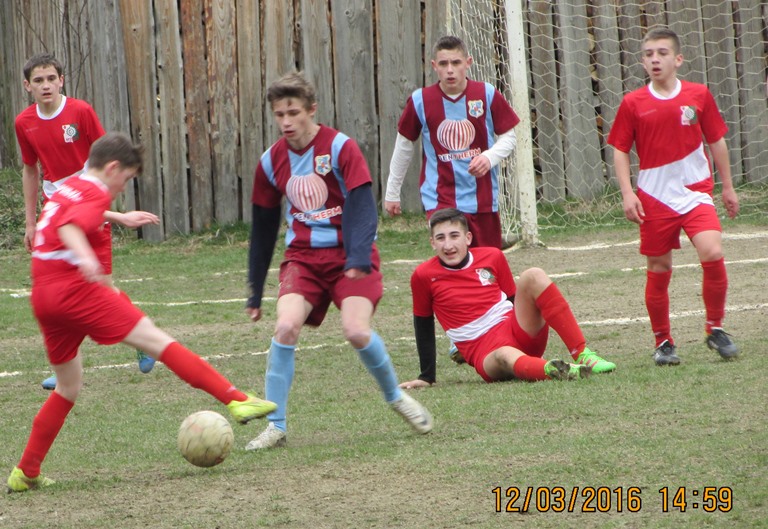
[468,301]
[675,173]
[81,201]
[315,181]
[61,142]
[455,130]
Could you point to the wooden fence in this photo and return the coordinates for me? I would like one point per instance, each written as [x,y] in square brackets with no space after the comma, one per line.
[187,78]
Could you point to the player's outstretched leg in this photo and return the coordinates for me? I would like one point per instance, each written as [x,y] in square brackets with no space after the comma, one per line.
[278,380]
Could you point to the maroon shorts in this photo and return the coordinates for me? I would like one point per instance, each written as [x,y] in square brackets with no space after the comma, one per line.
[485,228]
[657,237]
[318,275]
[69,311]
[505,333]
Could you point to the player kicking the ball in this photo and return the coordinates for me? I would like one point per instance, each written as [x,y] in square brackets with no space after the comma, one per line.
[500,327]
[72,299]
[330,253]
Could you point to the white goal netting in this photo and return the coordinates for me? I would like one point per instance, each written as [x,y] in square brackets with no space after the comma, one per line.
[567,73]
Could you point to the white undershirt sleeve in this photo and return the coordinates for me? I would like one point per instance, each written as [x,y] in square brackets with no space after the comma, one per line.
[398,166]
[503,147]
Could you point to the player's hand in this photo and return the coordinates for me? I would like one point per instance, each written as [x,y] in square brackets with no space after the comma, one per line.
[29,238]
[479,166]
[136,219]
[91,270]
[355,273]
[633,209]
[392,208]
[253,313]
[414,384]
[731,202]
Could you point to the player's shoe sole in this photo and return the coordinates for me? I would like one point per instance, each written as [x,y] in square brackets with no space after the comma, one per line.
[559,370]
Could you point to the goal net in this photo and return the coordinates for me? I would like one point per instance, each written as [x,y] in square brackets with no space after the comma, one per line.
[565,67]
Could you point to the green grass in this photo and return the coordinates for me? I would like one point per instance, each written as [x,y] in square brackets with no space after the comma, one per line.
[350,461]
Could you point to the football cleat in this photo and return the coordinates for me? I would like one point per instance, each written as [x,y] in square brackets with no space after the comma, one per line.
[598,365]
[146,362]
[666,354]
[559,370]
[455,355]
[272,437]
[19,482]
[253,408]
[414,413]
[49,383]
[721,341]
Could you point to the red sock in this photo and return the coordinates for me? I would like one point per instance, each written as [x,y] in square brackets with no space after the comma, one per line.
[557,313]
[199,374]
[529,368]
[657,303]
[714,286]
[45,427]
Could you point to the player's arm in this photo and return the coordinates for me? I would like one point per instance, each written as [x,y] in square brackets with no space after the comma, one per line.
[487,160]
[398,167]
[424,330]
[30,184]
[131,219]
[73,237]
[358,227]
[633,209]
[719,151]
[265,224]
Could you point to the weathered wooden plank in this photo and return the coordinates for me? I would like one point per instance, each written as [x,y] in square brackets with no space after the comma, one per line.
[684,18]
[314,31]
[721,71]
[438,20]
[173,140]
[140,59]
[655,13]
[583,163]
[196,114]
[222,82]
[608,71]
[278,56]
[355,100]
[630,37]
[10,83]
[753,110]
[549,155]
[251,97]
[399,74]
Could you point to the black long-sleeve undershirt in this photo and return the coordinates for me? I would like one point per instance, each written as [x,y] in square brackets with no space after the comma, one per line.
[264,228]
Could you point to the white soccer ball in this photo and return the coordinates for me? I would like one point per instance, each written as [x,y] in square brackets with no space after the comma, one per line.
[205,438]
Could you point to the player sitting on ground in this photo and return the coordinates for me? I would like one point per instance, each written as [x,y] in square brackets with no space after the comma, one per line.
[71,299]
[500,328]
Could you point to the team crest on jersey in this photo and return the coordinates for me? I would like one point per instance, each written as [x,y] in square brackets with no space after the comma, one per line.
[475,108]
[485,276]
[688,115]
[71,134]
[323,164]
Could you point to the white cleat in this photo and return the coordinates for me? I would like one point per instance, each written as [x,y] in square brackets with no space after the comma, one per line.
[269,438]
[414,413]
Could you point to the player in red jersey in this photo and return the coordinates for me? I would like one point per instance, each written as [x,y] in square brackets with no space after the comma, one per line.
[72,299]
[666,122]
[500,327]
[57,132]
[467,129]
[330,252]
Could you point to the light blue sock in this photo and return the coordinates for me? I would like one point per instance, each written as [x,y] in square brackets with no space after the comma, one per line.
[377,361]
[280,368]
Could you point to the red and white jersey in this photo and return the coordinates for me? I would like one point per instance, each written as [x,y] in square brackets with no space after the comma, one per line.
[668,132]
[82,201]
[60,142]
[315,181]
[455,130]
[468,301]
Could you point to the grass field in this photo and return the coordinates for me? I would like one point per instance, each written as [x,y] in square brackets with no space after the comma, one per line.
[598,450]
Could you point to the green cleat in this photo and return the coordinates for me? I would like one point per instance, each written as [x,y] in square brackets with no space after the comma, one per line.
[253,408]
[598,365]
[559,370]
[19,482]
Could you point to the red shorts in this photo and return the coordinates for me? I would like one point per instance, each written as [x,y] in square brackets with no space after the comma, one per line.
[318,275]
[103,250]
[657,237]
[485,228]
[69,311]
[506,333]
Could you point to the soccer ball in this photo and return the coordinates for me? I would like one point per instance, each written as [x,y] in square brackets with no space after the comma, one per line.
[205,438]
